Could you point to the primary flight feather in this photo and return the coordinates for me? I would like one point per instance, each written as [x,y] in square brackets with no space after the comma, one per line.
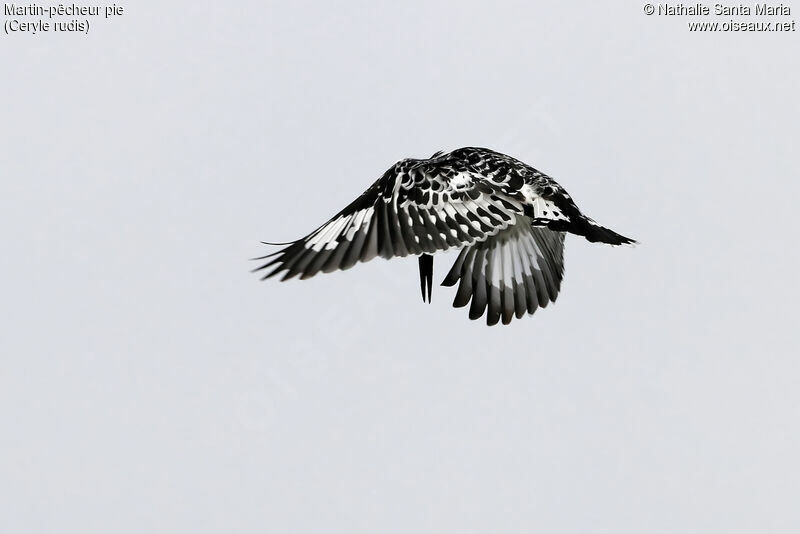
[508,219]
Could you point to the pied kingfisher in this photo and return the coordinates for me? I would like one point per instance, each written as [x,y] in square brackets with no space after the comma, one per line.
[508,219]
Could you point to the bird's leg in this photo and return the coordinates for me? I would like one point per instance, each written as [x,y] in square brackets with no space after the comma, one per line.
[426,275]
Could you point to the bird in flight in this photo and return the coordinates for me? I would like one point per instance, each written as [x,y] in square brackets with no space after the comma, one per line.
[508,220]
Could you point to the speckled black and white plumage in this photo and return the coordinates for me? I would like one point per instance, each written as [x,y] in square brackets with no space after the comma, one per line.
[507,218]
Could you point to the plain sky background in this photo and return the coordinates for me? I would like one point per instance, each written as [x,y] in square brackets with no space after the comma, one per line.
[150,383]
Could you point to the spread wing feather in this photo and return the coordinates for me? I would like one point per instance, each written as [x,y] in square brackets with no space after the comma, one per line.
[515,271]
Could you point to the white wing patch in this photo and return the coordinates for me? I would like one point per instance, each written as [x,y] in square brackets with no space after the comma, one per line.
[543,209]
[461,181]
[328,236]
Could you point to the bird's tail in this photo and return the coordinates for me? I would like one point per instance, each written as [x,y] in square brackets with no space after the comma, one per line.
[426,276]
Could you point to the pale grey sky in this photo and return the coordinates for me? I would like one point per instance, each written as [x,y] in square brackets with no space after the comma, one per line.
[151,384]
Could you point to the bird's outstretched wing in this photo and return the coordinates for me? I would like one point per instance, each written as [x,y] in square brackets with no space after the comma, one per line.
[416,207]
[513,272]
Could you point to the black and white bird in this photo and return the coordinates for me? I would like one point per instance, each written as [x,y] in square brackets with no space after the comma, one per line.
[508,219]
